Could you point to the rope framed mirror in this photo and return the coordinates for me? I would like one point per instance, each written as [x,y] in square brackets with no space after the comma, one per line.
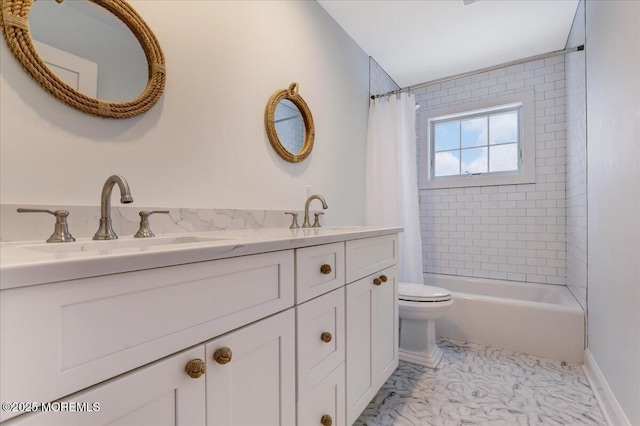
[289,124]
[14,21]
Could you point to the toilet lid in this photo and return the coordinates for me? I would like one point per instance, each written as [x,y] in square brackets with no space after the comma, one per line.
[422,293]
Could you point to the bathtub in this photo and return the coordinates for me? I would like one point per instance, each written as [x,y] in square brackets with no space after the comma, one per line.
[537,319]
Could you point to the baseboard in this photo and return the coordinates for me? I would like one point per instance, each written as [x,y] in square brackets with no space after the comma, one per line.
[611,409]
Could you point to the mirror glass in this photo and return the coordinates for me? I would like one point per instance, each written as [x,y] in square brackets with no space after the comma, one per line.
[89,48]
[289,126]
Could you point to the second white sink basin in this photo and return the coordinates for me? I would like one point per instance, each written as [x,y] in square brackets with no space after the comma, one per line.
[129,243]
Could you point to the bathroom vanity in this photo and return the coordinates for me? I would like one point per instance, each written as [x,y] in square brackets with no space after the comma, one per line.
[266,326]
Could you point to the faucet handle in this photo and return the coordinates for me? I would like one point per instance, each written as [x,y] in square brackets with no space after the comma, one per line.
[316,221]
[61,231]
[145,230]
[294,222]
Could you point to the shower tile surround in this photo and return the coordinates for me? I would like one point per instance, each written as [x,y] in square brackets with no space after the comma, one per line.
[476,384]
[575,72]
[511,232]
[379,80]
[83,221]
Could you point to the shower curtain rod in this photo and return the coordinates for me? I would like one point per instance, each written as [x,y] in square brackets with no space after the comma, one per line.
[482,70]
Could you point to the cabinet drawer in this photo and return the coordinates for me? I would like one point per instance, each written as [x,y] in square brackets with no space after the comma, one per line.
[319,270]
[159,394]
[77,333]
[370,255]
[326,399]
[317,319]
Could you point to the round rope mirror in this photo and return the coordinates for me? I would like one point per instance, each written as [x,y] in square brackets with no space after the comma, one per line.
[14,20]
[289,124]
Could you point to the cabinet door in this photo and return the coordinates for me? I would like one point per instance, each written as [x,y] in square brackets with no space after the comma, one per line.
[161,394]
[325,402]
[251,374]
[386,326]
[372,338]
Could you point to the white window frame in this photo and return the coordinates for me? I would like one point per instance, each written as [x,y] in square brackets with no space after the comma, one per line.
[527,167]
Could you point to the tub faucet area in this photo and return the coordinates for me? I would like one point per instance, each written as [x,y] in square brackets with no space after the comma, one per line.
[105,230]
[306,208]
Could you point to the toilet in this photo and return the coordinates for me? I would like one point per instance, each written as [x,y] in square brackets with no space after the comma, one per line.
[419,306]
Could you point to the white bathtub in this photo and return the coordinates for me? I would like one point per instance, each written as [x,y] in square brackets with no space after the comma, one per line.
[537,319]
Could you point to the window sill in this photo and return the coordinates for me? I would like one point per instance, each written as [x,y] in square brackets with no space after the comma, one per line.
[470,181]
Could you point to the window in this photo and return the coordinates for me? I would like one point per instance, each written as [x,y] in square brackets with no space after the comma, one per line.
[488,143]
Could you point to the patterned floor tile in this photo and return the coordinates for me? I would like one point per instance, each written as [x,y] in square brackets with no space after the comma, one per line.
[479,385]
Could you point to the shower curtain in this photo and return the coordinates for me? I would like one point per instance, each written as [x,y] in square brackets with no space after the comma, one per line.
[391,195]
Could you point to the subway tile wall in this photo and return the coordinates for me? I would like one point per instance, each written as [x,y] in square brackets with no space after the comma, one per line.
[379,80]
[513,232]
[576,162]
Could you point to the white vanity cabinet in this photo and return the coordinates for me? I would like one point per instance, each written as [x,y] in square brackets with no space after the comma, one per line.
[249,381]
[299,336]
[62,337]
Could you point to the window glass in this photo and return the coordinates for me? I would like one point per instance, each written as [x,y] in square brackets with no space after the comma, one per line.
[447,163]
[504,128]
[476,143]
[474,132]
[447,135]
[474,160]
[503,158]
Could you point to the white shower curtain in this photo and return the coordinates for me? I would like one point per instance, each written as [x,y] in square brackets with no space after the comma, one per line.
[391,196]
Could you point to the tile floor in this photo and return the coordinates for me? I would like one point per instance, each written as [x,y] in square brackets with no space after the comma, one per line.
[479,385]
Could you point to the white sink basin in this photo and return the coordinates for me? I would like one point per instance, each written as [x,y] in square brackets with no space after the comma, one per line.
[129,244]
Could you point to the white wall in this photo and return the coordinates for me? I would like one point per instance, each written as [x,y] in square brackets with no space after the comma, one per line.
[613,152]
[204,144]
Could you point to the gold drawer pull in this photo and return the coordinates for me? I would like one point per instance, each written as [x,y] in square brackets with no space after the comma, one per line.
[383,278]
[326,420]
[325,269]
[196,368]
[377,281]
[223,355]
[326,337]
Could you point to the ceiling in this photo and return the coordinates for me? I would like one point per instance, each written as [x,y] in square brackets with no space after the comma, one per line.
[422,40]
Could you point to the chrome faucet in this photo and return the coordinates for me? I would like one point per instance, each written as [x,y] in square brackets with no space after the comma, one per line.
[306,208]
[105,231]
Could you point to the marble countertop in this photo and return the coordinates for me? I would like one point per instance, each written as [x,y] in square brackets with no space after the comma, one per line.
[31,263]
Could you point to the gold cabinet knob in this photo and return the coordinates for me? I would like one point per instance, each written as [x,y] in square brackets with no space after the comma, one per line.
[325,269]
[326,420]
[196,368]
[383,278]
[223,355]
[377,281]
[326,337]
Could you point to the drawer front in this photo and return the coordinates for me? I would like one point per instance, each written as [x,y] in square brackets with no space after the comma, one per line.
[370,255]
[78,333]
[319,270]
[159,394]
[326,399]
[320,338]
